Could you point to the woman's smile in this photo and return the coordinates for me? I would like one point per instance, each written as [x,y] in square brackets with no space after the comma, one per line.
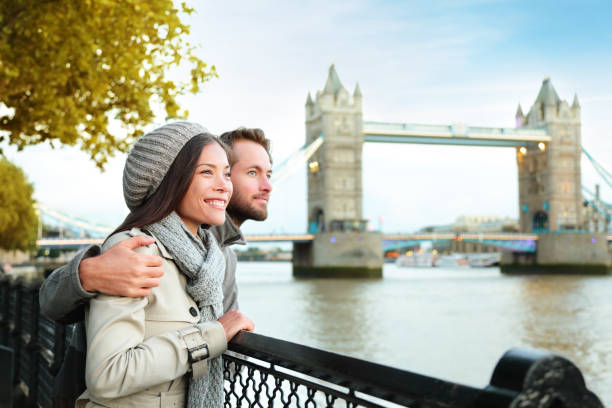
[217,203]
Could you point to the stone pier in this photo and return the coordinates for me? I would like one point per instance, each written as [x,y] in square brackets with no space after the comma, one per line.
[580,253]
[339,255]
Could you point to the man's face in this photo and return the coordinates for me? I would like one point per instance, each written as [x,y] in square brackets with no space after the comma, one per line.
[251,179]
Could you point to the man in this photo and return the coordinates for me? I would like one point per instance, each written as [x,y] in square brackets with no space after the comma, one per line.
[121,271]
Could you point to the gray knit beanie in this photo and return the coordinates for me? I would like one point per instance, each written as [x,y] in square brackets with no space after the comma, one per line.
[151,158]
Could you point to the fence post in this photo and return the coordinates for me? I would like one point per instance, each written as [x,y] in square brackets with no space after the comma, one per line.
[7,354]
[7,362]
[4,309]
[31,339]
[15,323]
[59,347]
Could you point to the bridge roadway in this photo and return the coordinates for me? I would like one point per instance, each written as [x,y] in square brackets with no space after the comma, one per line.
[49,243]
[457,134]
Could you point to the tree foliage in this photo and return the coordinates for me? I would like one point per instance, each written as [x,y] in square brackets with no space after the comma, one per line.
[69,68]
[18,220]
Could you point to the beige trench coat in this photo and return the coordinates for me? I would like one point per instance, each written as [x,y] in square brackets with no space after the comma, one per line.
[136,347]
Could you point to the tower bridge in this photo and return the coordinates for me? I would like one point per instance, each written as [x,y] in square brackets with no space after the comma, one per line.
[548,148]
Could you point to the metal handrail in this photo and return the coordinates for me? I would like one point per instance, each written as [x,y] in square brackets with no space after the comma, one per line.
[380,381]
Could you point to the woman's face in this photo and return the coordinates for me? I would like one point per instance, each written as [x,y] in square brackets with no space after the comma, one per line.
[210,190]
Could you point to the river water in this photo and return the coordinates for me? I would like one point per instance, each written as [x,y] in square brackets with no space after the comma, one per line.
[453,324]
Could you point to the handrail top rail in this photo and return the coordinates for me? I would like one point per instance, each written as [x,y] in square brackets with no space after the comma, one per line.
[392,384]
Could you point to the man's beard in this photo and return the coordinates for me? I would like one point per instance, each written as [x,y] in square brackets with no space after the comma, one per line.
[241,210]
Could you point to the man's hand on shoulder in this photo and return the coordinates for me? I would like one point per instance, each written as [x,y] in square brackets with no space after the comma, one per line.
[122,272]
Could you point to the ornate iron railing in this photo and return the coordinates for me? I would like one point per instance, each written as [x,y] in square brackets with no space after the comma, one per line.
[271,372]
[262,371]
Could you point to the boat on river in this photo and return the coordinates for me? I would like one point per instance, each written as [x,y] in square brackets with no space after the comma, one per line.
[451,261]
[428,259]
[425,259]
[484,260]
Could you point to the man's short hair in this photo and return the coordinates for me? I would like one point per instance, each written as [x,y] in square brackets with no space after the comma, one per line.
[253,134]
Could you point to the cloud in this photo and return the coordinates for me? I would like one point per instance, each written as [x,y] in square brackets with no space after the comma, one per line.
[600,98]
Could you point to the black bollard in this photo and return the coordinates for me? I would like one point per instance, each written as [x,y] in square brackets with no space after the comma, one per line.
[542,380]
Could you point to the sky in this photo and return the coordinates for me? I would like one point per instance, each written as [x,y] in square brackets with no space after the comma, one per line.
[421,62]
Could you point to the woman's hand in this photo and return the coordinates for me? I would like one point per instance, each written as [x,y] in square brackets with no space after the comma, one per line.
[234,321]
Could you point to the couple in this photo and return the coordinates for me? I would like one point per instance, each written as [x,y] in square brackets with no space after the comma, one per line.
[160,301]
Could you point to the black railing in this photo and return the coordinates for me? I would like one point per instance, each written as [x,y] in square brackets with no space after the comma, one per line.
[262,371]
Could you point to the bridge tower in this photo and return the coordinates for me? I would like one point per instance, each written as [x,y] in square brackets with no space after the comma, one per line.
[342,246]
[550,194]
[334,176]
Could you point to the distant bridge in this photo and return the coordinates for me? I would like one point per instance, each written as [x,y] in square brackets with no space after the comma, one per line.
[505,241]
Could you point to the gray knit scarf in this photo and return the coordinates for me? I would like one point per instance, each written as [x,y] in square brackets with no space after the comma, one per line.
[201,260]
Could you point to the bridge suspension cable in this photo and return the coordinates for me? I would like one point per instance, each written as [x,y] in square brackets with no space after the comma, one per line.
[93,228]
[603,173]
[295,161]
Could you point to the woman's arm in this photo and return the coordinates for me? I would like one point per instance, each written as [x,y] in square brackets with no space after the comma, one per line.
[120,361]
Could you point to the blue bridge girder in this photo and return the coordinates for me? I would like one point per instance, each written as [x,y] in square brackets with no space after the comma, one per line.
[507,242]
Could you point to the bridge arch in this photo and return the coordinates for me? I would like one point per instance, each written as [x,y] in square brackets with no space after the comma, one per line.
[316,221]
[540,222]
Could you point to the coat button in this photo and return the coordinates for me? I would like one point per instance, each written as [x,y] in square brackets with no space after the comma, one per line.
[193,311]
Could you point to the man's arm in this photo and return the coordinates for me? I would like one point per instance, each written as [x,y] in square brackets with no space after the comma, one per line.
[119,271]
[61,295]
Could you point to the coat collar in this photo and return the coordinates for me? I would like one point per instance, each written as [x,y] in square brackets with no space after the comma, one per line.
[142,231]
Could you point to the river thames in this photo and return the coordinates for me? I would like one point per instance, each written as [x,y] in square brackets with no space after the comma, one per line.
[454,324]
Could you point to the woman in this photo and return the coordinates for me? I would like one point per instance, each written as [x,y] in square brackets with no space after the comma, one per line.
[163,350]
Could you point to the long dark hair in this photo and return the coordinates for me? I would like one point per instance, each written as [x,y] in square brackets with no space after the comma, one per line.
[173,187]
